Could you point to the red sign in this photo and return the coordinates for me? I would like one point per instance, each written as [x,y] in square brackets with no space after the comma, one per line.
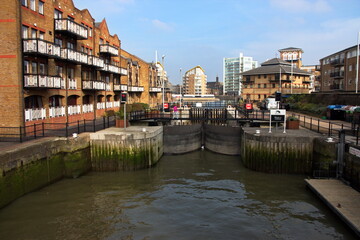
[248,106]
[166,105]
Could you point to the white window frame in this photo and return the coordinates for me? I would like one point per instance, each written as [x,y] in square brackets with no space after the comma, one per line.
[25,32]
[24,3]
[26,66]
[33,33]
[41,7]
[32,5]
[42,35]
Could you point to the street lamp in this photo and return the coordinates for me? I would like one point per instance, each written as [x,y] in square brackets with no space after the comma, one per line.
[163,84]
[180,87]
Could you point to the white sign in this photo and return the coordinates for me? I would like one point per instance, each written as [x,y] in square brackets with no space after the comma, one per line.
[354,151]
[278,112]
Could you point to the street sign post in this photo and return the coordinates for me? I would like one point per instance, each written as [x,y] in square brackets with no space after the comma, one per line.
[278,115]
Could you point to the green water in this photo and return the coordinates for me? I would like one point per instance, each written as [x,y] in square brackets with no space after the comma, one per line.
[200,195]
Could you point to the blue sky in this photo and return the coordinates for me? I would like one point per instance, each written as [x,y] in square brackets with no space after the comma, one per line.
[203,32]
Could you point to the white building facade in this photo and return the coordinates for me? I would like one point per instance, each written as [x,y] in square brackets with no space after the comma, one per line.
[232,69]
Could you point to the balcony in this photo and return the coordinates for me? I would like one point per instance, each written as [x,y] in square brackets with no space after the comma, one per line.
[86,108]
[74,56]
[68,26]
[337,62]
[72,84]
[41,47]
[108,49]
[155,89]
[43,81]
[93,85]
[74,109]
[120,87]
[35,114]
[338,74]
[56,112]
[100,105]
[135,89]
[95,61]
[109,104]
[123,71]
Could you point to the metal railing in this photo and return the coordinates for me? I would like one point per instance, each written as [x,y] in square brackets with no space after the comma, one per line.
[39,130]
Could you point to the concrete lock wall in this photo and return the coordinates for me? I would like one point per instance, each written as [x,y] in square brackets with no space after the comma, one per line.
[180,139]
[222,139]
[30,167]
[119,149]
[277,154]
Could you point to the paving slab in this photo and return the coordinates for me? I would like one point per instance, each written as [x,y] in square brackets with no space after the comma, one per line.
[342,199]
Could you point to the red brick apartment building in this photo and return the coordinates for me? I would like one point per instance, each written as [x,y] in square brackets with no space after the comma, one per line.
[58,65]
[338,71]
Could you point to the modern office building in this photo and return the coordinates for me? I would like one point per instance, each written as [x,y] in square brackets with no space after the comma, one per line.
[338,71]
[194,81]
[232,69]
[274,75]
[57,65]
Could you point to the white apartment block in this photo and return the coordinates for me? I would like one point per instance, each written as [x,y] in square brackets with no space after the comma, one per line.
[232,69]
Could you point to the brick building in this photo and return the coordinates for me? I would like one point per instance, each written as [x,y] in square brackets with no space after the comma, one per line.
[274,75]
[58,65]
[338,71]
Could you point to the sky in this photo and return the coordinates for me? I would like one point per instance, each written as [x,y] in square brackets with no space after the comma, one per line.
[203,32]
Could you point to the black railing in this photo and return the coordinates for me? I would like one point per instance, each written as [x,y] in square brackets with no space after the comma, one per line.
[39,130]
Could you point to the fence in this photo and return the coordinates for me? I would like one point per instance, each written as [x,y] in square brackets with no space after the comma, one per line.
[38,130]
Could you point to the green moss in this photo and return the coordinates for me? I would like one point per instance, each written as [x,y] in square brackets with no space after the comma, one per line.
[77,163]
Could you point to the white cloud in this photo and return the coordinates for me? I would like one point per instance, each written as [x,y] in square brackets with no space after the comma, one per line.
[302,5]
[161,25]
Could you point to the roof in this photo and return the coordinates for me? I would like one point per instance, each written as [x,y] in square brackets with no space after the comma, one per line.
[273,66]
[290,49]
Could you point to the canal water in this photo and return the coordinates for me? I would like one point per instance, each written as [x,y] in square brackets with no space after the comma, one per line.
[201,195]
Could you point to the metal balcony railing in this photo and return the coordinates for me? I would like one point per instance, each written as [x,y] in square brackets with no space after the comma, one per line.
[43,81]
[95,61]
[39,46]
[120,87]
[56,112]
[135,89]
[69,26]
[108,49]
[72,55]
[93,85]
[35,114]
[155,89]
[86,108]
[74,109]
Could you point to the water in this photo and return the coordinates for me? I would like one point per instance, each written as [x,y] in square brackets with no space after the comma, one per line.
[200,195]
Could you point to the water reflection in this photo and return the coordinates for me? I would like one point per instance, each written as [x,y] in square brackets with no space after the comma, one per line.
[200,195]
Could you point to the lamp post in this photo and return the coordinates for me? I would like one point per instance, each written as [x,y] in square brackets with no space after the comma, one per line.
[291,81]
[163,84]
[180,87]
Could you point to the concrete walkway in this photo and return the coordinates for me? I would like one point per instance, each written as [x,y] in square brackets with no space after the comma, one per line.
[341,198]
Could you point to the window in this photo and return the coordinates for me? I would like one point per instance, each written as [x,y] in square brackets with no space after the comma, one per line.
[34,67]
[33,33]
[259,85]
[264,85]
[265,76]
[259,96]
[26,67]
[57,14]
[59,71]
[32,5]
[58,41]
[273,86]
[24,3]
[350,68]
[90,32]
[25,32]
[101,41]
[42,69]
[41,7]
[42,35]
[70,45]
[259,76]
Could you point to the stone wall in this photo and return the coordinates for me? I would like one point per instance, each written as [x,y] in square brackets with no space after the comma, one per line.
[290,153]
[180,139]
[34,165]
[132,148]
[222,139]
